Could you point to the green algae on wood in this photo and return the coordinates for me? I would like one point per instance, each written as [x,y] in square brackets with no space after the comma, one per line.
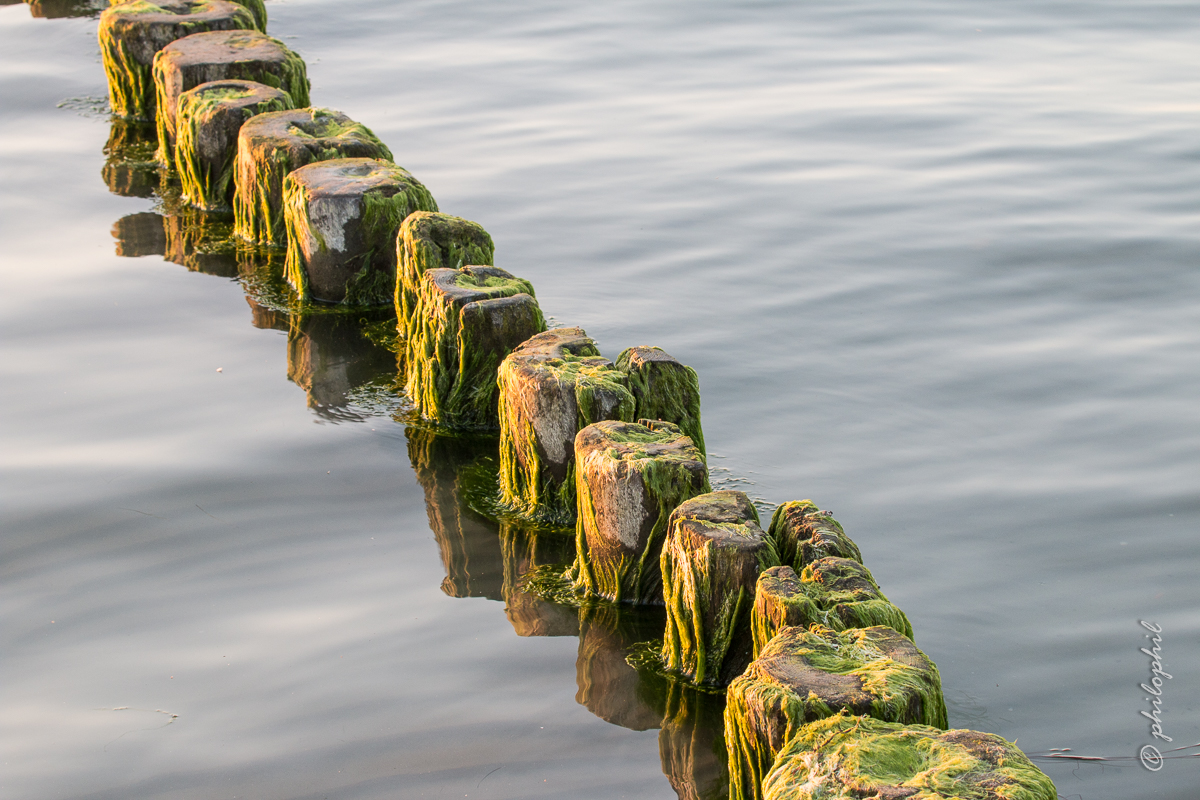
[431,240]
[805,675]
[803,533]
[551,387]
[221,56]
[710,564]
[664,389]
[835,592]
[341,217]
[629,477]
[272,145]
[466,323]
[208,119]
[132,32]
[847,758]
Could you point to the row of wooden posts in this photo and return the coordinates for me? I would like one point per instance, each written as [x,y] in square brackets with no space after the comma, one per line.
[827,696]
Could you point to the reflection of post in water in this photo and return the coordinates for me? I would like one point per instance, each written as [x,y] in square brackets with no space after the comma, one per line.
[469,543]
[526,548]
[60,9]
[692,743]
[608,686]
[189,238]
[329,357]
[129,166]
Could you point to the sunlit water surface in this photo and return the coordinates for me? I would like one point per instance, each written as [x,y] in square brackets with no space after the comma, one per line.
[936,264]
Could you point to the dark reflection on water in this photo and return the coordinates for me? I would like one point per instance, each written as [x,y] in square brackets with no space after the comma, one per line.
[526,548]
[61,9]
[329,357]
[608,686]
[129,167]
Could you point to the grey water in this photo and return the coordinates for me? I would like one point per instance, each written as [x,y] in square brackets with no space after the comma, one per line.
[936,264]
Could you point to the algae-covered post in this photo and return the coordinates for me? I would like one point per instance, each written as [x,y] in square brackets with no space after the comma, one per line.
[218,56]
[803,533]
[431,241]
[664,389]
[551,387]
[846,758]
[466,322]
[208,119]
[132,32]
[342,216]
[629,477]
[835,592]
[713,555]
[270,146]
[805,675]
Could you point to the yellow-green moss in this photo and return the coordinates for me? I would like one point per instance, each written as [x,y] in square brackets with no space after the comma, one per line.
[872,671]
[835,592]
[128,43]
[527,486]
[847,758]
[804,533]
[671,470]
[205,184]
[664,389]
[456,344]
[430,240]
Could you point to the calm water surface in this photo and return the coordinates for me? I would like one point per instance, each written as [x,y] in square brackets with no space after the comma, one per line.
[936,265]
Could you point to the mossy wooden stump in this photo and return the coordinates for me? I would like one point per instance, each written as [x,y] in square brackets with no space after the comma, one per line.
[341,217]
[710,563]
[805,675]
[803,533]
[208,119]
[220,56]
[835,592]
[468,320]
[664,389]
[849,758]
[270,146]
[551,387]
[428,241]
[132,32]
[629,477]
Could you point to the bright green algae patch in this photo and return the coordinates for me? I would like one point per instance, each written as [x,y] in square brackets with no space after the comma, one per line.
[270,146]
[466,322]
[834,592]
[804,533]
[806,675]
[847,758]
[434,241]
[207,121]
[629,477]
[552,387]
[342,217]
[664,389]
[132,32]
[710,563]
